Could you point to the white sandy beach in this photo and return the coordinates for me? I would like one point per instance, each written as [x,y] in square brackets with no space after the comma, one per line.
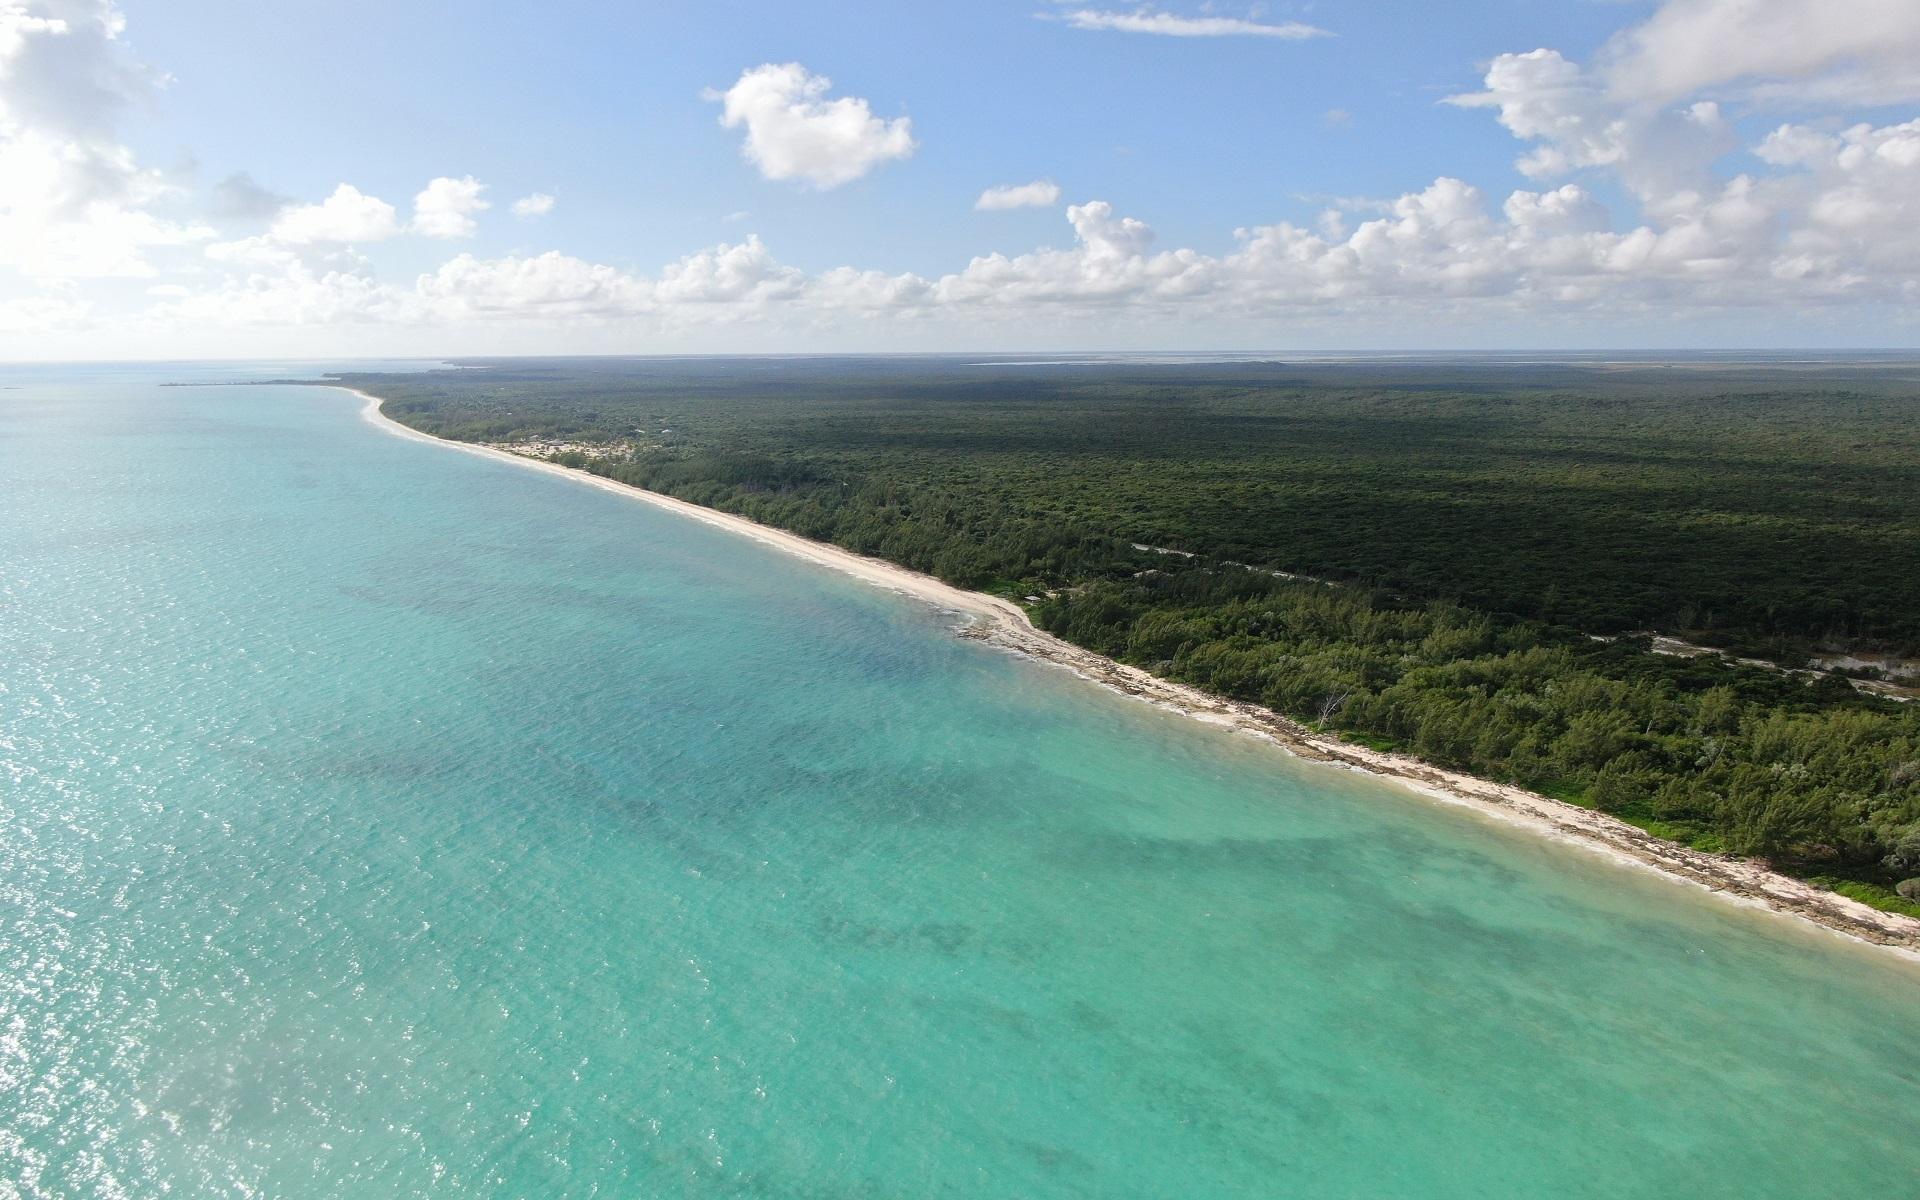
[1004,624]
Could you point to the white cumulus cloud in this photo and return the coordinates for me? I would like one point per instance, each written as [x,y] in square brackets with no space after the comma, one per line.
[539,204]
[347,216]
[41,314]
[74,203]
[1566,209]
[1565,109]
[794,132]
[1818,216]
[1832,227]
[550,284]
[746,273]
[260,252]
[1864,52]
[445,208]
[1038,194]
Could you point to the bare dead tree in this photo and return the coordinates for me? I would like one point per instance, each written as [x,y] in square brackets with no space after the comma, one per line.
[1333,703]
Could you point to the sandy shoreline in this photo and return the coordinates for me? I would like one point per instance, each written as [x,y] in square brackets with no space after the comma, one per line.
[1003,624]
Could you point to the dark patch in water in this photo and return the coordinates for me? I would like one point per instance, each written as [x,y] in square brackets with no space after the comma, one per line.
[946,937]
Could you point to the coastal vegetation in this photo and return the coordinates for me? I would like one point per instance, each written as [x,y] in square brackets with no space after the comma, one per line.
[1459,561]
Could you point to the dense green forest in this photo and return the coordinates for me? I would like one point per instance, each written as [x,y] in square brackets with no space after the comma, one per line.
[1481,520]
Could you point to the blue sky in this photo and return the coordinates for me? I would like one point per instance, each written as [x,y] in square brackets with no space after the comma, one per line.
[601,104]
[1690,172]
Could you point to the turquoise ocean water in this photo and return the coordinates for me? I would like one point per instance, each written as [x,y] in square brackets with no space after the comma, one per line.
[379,821]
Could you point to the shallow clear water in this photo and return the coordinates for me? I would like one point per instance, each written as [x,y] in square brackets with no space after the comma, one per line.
[376,820]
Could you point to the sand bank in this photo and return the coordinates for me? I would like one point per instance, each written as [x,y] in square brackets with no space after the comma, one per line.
[1001,623]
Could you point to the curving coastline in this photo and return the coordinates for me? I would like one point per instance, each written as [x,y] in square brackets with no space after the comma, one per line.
[1004,624]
